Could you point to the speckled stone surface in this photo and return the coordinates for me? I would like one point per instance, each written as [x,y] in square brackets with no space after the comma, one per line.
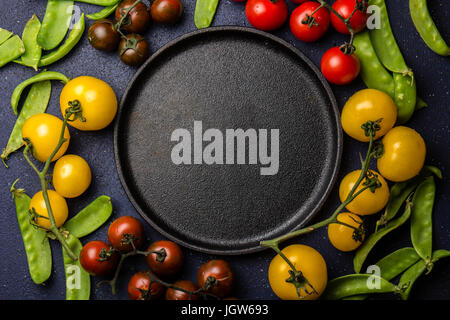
[432,73]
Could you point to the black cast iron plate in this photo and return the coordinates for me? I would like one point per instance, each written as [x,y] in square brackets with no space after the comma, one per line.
[228,78]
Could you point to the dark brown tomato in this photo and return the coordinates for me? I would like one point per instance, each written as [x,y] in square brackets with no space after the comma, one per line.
[133,50]
[216,277]
[165,259]
[123,229]
[166,11]
[138,288]
[138,18]
[174,294]
[97,258]
[103,36]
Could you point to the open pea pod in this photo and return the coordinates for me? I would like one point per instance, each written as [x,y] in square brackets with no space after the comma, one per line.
[4,35]
[35,241]
[78,281]
[11,49]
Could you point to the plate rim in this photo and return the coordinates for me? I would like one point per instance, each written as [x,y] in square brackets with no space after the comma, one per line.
[221,29]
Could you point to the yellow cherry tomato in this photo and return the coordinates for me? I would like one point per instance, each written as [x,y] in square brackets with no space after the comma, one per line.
[306,260]
[71,176]
[404,154]
[44,130]
[367,202]
[343,237]
[368,105]
[98,102]
[58,205]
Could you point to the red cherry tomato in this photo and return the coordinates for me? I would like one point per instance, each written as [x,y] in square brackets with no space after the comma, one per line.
[139,287]
[266,15]
[345,9]
[97,258]
[299,18]
[166,258]
[216,277]
[125,228]
[338,67]
[174,294]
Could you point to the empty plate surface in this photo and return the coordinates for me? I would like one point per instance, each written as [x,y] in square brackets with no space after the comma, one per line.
[178,157]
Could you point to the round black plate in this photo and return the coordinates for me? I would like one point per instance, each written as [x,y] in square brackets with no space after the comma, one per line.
[227,78]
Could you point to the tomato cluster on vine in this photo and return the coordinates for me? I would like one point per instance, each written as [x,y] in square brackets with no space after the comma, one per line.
[215,278]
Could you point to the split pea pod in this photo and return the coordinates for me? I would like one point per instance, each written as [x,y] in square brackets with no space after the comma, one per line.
[102,14]
[33,50]
[11,49]
[373,239]
[373,73]
[383,41]
[204,13]
[392,265]
[55,24]
[4,35]
[36,102]
[90,218]
[405,96]
[427,29]
[73,38]
[421,218]
[414,272]
[35,241]
[43,76]
[356,284]
[78,281]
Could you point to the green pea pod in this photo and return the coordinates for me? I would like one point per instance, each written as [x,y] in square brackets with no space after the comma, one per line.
[78,281]
[4,35]
[392,265]
[405,96]
[71,41]
[414,272]
[45,75]
[90,218]
[36,102]
[55,24]
[11,49]
[431,170]
[204,13]
[102,14]
[421,218]
[373,239]
[383,41]
[356,284]
[427,29]
[35,241]
[33,51]
[101,2]
[374,75]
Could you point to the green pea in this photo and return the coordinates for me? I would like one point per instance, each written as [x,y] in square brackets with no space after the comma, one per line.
[410,276]
[374,75]
[11,49]
[426,27]
[204,13]
[45,75]
[90,218]
[421,218]
[356,284]
[4,35]
[373,239]
[73,38]
[101,2]
[35,241]
[405,96]
[78,281]
[32,49]
[102,14]
[383,41]
[36,102]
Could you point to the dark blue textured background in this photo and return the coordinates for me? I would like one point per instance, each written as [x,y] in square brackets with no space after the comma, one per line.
[432,74]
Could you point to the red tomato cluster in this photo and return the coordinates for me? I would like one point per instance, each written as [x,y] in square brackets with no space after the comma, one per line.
[308,23]
[164,259]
